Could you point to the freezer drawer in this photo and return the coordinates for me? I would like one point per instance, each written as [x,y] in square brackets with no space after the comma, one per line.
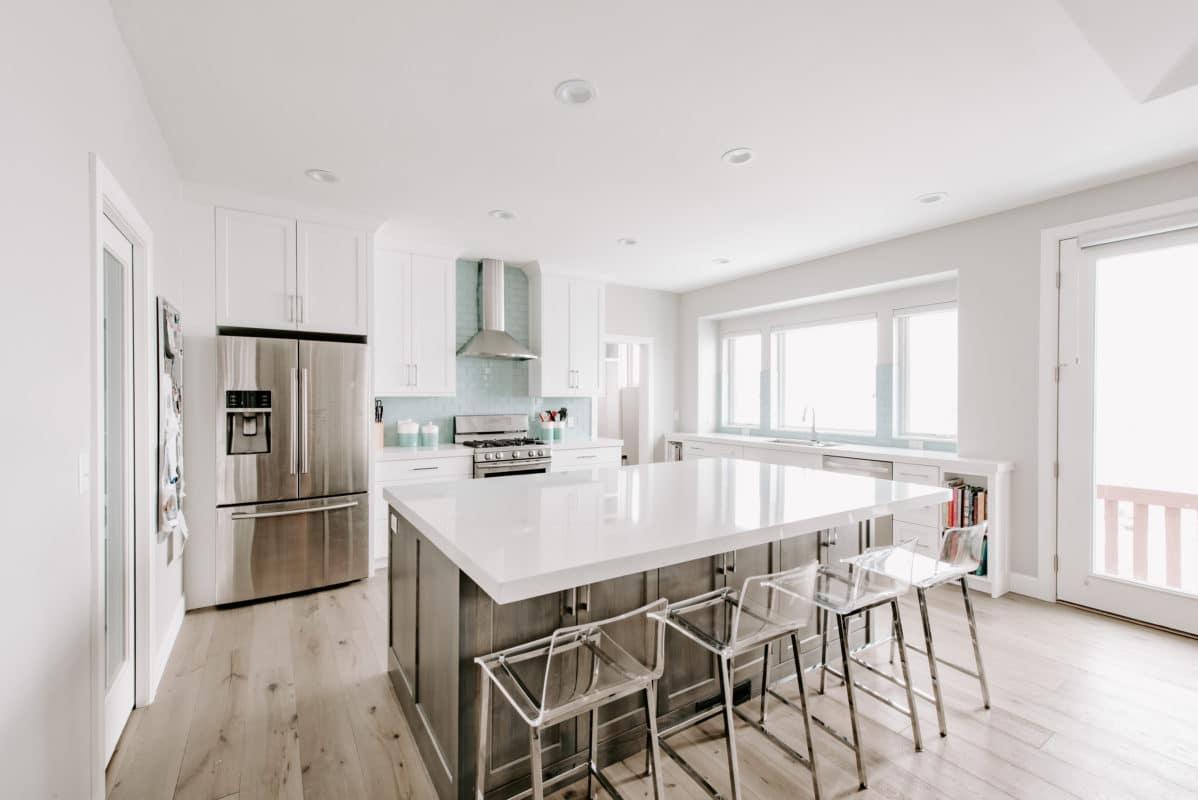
[276,548]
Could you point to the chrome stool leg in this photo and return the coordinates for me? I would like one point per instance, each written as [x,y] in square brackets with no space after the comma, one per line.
[484,725]
[794,643]
[842,629]
[730,725]
[765,680]
[977,649]
[653,750]
[922,594]
[823,650]
[902,650]
[593,754]
[535,766]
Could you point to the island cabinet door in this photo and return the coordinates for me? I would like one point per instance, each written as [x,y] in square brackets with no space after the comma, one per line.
[502,626]
[690,672]
[796,552]
[738,567]
[402,574]
[600,601]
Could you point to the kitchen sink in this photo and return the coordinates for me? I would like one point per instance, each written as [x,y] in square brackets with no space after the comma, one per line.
[804,442]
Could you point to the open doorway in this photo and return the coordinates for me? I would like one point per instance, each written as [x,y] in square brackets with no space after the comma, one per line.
[625,407]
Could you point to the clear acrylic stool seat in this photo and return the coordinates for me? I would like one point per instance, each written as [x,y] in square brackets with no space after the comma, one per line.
[960,555]
[576,670]
[728,623]
[857,585]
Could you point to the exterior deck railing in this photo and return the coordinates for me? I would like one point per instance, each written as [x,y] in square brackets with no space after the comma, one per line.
[1140,501]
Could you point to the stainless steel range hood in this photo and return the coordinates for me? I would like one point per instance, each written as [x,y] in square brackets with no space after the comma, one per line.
[492,341]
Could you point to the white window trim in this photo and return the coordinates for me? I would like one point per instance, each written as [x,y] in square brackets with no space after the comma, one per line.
[778,390]
[898,390]
[726,379]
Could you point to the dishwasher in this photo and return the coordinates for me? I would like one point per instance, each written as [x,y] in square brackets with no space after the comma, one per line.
[849,540]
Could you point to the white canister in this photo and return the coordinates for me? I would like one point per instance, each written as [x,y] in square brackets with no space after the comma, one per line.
[430,435]
[408,431]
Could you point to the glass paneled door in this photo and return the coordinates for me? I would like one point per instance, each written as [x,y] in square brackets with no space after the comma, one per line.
[1127,532]
[117,481]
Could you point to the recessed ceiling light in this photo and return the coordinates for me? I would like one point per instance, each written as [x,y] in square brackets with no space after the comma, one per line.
[501,213]
[932,198]
[721,260]
[574,92]
[738,156]
[626,241]
[321,175]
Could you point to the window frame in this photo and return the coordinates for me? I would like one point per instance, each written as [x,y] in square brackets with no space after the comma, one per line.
[726,363]
[777,379]
[899,389]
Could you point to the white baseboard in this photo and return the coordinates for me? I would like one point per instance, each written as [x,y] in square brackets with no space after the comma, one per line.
[163,652]
[1040,588]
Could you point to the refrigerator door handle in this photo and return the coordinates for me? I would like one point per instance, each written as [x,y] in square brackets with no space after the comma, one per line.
[293,433]
[291,512]
[304,433]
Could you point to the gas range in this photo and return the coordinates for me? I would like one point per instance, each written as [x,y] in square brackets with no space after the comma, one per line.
[501,444]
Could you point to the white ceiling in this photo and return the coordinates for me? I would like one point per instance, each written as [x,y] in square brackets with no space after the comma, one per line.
[433,113]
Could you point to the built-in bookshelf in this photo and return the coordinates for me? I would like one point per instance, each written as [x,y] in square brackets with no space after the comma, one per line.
[977,498]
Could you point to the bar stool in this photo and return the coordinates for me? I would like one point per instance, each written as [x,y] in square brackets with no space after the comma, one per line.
[580,668]
[727,623]
[960,554]
[856,586]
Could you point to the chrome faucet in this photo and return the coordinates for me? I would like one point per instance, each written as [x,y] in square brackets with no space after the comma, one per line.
[809,411]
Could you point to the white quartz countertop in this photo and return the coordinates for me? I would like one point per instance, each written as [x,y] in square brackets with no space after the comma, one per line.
[586,444]
[908,455]
[409,453]
[529,535]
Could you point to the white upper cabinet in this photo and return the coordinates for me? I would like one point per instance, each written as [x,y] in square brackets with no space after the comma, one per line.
[567,333]
[331,279]
[255,270]
[415,325]
[280,274]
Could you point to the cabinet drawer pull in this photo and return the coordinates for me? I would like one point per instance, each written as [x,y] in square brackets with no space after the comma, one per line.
[423,469]
[580,458]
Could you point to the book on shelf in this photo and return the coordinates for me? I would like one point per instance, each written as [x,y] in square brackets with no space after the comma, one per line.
[968,507]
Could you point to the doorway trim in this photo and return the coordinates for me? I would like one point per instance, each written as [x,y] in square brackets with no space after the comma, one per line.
[1044,585]
[109,199]
[645,445]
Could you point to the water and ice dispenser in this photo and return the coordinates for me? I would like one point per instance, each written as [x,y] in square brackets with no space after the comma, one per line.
[247,422]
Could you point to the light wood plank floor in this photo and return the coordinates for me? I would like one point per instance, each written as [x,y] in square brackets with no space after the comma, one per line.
[290,699]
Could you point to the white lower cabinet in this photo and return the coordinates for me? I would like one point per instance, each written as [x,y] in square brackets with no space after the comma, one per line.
[584,458]
[771,455]
[400,472]
[927,538]
[708,450]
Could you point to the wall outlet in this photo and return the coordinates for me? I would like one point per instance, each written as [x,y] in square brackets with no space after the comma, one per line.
[570,422]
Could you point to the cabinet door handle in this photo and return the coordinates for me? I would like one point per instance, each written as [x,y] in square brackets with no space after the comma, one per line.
[722,567]
[571,601]
[732,566]
[291,308]
[415,374]
[300,313]
[585,603]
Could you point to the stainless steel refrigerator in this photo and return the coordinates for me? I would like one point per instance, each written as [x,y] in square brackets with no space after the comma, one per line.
[292,466]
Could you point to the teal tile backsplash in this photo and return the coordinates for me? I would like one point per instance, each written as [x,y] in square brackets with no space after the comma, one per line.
[485,385]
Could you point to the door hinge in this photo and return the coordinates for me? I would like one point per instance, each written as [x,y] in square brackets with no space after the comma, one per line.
[1056,374]
[1056,563]
[1058,279]
[1056,469]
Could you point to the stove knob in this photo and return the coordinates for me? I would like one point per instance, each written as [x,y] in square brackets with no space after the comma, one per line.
[516,454]
[541,453]
[486,456]
[500,455]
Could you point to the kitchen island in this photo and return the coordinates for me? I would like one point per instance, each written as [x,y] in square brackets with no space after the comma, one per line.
[477,566]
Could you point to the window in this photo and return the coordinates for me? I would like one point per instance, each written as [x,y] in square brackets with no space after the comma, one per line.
[827,370]
[742,380]
[925,358]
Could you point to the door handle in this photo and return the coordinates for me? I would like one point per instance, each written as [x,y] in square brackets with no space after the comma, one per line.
[305,432]
[300,298]
[410,381]
[585,603]
[415,374]
[571,601]
[722,567]
[732,568]
[291,308]
[293,433]
[290,513]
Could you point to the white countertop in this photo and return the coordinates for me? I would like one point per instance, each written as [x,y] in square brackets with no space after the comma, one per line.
[530,535]
[409,453]
[908,455]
